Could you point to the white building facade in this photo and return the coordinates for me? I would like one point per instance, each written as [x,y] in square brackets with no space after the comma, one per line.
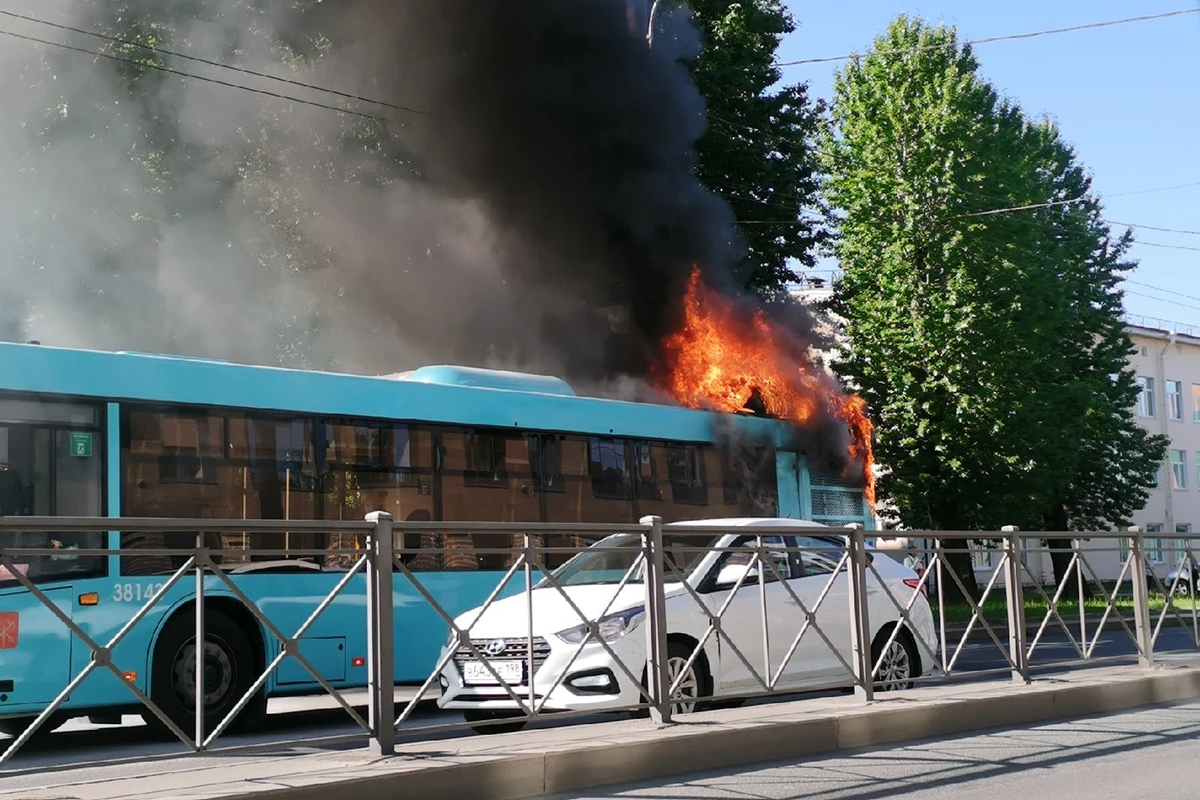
[1167,364]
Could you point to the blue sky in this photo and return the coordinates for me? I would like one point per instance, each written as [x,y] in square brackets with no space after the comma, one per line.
[1127,97]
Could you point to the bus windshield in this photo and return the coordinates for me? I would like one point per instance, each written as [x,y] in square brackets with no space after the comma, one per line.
[609,560]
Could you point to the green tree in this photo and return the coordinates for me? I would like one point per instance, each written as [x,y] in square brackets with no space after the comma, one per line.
[758,152]
[1111,459]
[989,346]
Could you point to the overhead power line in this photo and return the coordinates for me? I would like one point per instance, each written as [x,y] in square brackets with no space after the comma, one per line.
[1168,246]
[191,76]
[990,39]
[1152,227]
[1163,300]
[1156,189]
[1171,292]
[1051,204]
[208,62]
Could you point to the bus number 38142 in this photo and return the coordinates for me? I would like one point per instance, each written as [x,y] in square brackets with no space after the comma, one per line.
[135,592]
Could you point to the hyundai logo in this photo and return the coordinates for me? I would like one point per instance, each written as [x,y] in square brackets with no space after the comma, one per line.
[495,647]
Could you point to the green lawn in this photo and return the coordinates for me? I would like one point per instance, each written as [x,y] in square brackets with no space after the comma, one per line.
[1035,609]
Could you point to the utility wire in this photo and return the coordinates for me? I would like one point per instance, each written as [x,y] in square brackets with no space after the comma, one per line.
[1168,246]
[1151,227]
[1024,208]
[1161,289]
[208,62]
[1162,299]
[1156,189]
[191,76]
[991,39]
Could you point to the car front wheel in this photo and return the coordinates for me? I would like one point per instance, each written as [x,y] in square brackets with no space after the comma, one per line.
[897,663]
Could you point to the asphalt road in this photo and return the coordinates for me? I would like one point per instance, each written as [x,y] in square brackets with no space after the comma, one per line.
[319,720]
[1144,753]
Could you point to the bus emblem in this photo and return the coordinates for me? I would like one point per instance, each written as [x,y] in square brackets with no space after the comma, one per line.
[10,629]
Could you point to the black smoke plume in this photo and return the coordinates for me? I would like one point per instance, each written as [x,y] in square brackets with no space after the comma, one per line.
[574,137]
[523,197]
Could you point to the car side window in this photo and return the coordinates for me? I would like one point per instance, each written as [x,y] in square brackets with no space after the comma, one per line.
[822,558]
[737,560]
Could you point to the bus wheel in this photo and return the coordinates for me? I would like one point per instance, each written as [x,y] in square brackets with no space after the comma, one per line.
[228,674]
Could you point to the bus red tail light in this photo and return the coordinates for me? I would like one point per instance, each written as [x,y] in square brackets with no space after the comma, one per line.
[358,661]
[913,583]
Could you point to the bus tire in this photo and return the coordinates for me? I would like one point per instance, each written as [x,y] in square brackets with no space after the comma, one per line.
[230,671]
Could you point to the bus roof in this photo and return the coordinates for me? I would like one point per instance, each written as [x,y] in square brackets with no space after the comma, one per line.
[436,394]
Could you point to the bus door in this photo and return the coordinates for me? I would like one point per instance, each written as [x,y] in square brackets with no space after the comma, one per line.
[51,457]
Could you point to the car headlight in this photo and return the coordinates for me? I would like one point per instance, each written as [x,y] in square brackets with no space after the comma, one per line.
[610,628]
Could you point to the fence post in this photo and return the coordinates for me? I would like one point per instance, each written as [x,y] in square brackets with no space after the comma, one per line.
[658,676]
[1014,590]
[860,623]
[381,670]
[201,641]
[1141,598]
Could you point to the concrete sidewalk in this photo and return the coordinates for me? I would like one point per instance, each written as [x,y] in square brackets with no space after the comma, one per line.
[577,757]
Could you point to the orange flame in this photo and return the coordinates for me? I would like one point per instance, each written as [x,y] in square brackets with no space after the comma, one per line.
[725,359]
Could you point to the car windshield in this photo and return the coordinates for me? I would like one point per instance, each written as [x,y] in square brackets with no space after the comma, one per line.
[608,560]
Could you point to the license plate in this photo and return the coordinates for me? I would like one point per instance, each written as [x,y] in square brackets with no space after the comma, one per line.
[476,673]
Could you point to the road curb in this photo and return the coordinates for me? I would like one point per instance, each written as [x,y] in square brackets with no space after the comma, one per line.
[717,740]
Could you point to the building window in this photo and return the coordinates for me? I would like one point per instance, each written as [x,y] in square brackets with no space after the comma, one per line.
[1145,402]
[1154,545]
[1175,399]
[1179,469]
[1196,402]
[1181,545]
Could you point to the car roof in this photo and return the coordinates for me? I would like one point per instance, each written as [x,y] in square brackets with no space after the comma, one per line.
[749,522]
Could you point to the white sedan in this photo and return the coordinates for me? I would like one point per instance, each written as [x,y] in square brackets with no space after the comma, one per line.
[571,674]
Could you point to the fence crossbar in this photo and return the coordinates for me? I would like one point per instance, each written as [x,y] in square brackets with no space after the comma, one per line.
[1110,603]
[1052,608]
[464,638]
[291,643]
[101,656]
[977,614]
[714,626]
[635,680]
[587,638]
[459,637]
[905,617]
[810,619]
[1168,605]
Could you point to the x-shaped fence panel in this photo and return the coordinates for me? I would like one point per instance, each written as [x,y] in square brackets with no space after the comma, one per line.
[198,562]
[839,602]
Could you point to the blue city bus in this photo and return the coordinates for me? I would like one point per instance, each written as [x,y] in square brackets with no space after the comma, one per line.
[86,433]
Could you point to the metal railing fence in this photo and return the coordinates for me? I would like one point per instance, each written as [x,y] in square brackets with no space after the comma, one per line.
[726,613]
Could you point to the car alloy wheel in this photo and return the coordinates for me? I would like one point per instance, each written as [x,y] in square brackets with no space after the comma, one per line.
[895,669]
[683,701]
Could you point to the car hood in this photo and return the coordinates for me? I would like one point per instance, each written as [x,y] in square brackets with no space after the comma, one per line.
[551,610]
